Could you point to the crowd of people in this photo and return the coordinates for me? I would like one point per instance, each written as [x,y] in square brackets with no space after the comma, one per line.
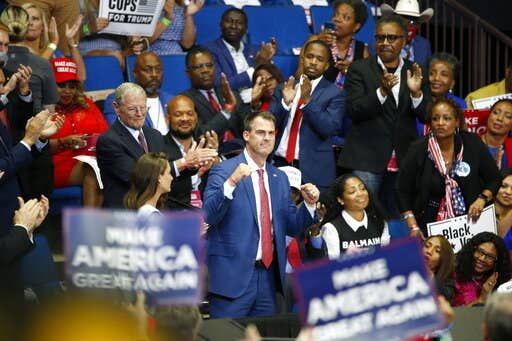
[220,145]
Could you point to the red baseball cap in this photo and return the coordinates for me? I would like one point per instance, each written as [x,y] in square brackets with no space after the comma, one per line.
[65,69]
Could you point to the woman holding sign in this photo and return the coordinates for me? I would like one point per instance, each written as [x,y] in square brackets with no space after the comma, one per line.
[354,221]
[483,264]
[446,174]
[151,179]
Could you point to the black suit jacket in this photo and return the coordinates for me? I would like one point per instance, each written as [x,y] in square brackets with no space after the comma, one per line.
[378,128]
[211,120]
[13,245]
[12,159]
[179,197]
[117,151]
[418,175]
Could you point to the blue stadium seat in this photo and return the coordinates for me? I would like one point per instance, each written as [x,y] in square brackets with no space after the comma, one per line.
[208,23]
[286,23]
[276,2]
[321,14]
[65,197]
[214,2]
[103,72]
[287,64]
[175,77]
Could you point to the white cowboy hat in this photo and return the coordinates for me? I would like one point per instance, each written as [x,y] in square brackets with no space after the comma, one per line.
[409,8]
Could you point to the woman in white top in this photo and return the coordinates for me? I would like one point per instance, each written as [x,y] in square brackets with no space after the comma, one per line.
[355,221]
[151,179]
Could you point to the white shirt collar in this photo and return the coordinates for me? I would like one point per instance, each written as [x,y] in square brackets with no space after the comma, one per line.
[353,223]
[182,147]
[398,69]
[251,163]
[134,132]
[232,49]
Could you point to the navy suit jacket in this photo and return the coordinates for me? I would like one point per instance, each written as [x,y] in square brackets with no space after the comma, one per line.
[322,118]
[111,116]
[116,152]
[12,158]
[224,63]
[233,234]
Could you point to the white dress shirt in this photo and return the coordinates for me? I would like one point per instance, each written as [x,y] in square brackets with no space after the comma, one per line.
[283,144]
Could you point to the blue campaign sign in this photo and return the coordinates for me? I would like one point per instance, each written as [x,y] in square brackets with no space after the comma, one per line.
[379,294]
[116,250]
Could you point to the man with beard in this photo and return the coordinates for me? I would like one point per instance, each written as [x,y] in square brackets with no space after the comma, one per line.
[308,113]
[218,109]
[188,158]
[386,94]
[147,73]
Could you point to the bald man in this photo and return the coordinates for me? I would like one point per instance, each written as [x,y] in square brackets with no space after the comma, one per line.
[189,158]
[148,73]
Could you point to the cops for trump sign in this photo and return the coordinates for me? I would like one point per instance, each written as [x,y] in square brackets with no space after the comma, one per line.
[378,294]
[114,250]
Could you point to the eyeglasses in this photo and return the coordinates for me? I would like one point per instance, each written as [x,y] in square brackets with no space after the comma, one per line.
[380,38]
[481,253]
[200,66]
[133,110]
[69,85]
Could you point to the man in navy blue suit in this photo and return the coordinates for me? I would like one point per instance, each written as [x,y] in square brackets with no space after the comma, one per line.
[248,206]
[232,56]
[308,113]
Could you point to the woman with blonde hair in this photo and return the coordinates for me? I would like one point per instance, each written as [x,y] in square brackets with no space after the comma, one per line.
[42,36]
[151,179]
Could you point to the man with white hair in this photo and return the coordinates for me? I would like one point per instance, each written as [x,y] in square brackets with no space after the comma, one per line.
[497,325]
[127,139]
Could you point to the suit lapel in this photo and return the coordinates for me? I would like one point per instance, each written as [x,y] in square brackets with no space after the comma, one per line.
[132,146]
[404,91]
[273,184]
[249,190]
[204,108]
[317,93]
[226,53]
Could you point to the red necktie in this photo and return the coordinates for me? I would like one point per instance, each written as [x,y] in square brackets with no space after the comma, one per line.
[266,234]
[3,118]
[293,252]
[294,133]
[213,102]
[142,142]
[228,135]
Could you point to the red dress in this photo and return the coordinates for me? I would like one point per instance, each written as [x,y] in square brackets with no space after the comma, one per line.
[77,121]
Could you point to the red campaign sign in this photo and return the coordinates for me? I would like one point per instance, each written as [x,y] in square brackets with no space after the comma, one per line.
[475,119]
